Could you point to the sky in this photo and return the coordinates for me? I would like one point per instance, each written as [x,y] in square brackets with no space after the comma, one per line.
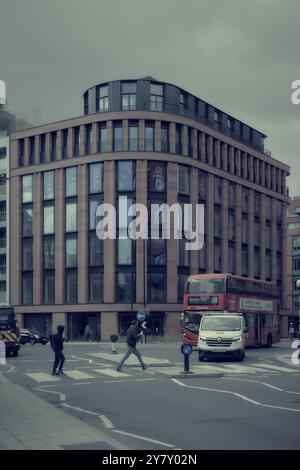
[240,56]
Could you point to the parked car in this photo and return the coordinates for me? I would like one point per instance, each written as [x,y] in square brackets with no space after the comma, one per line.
[33,336]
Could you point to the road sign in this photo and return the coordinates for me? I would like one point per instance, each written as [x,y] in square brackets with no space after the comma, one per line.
[144,325]
[141,316]
[186,349]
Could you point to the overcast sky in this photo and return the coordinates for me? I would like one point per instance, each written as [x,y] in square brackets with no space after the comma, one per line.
[241,56]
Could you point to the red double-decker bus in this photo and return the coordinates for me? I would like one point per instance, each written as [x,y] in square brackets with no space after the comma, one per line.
[220,293]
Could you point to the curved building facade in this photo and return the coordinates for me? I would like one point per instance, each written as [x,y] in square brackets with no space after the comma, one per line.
[152,142]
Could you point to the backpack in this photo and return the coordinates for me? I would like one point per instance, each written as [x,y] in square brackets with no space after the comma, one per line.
[51,337]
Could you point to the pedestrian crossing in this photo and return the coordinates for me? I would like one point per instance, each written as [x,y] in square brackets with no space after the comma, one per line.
[76,374]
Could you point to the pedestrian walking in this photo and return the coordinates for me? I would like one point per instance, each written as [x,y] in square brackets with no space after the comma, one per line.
[57,344]
[133,335]
[88,333]
[291,332]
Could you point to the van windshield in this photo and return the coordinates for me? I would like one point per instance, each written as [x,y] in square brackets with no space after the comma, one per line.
[221,324]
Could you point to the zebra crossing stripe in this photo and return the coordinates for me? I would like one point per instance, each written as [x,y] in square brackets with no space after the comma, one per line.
[78,374]
[277,368]
[112,373]
[41,377]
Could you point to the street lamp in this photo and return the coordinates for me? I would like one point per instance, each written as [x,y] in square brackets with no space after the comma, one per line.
[298,287]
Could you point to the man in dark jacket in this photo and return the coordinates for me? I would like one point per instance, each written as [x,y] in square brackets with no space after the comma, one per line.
[132,338]
[57,344]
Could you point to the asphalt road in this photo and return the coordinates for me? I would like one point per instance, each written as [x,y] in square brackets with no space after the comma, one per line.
[255,405]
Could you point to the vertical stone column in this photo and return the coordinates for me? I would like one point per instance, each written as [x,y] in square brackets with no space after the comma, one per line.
[194,255]
[172,244]
[201,143]
[125,134]
[224,150]
[109,325]
[273,178]
[262,237]
[251,167]
[59,145]
[274,241]
[195,143]
[37,149]
[82,140]
[157,136]
[59,236]
[238,230]
[251,234]
[263,173]
[110,136]
[15,240]
[48,148]
[224,222]
[268,173]
[172,137]
[82,233]
[238,162]
[231,159]
[109,245]
[70,142]
[210,144]
[141,198]
[210,224]
[26,151]
[244,165]
[185,140]
[218,153]
[37,240]
[60,319]
[141,135]
[95,141]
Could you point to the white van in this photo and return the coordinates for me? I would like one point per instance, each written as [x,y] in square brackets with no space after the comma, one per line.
[222,335]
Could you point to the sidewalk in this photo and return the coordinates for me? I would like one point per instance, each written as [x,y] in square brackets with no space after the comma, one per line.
[28,422]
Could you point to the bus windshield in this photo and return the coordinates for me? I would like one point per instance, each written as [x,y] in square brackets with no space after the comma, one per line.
[207,286]
[221,324]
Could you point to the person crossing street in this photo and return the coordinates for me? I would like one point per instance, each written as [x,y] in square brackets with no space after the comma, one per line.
[133,335]
[57,344]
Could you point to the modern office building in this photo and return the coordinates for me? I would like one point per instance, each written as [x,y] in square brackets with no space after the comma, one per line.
[293,259]
[153,142]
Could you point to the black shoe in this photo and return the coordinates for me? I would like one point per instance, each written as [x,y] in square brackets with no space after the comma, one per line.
[55,373]
[61,373]
[144,367]
[118,369]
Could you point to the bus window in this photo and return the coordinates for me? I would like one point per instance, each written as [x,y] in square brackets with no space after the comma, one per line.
[209,286]
[250,317]
[263,320]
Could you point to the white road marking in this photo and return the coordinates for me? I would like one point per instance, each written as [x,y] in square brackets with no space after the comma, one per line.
[255,381]
[277,368]
[107,423]
[111,372]
[82,383]
[154,441]
[40,377]
[80,409]
[62,396]
[142,380]
[243,397]
[78,374]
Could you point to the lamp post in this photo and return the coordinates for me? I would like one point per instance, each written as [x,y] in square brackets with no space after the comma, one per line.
[298,287]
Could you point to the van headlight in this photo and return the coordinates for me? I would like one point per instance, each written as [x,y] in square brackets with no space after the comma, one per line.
[201,338]
[238,338]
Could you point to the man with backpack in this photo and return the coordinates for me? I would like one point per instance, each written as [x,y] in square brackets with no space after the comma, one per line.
[133,334]
[57,344]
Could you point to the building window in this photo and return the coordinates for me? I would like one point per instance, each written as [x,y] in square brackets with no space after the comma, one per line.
[165,146]
[218,190]
[202,258]
[27,254]
[218,118]
[71,251]
[95,250]
[27,288]
[244,230]
[245,197]
[71,216]
[49,287]
[94,202]
[268,266]
[95,178]
[124,255]
[48,185]
[296,264]
[102,146]
[156,177]
[231,226]
[231,195]
[231,259]
[256,204]
[71,181]
[27,182]
[53,144]
[182,278]
[88,138]
[183,180]
[118,137]
[31,150]
[156,287]
[49,250]
[202,185]
[86,103]
[244,261]
[65,144]
[21,152]
[183,253]
[296,243]
[71,286]
[125,287]
[256,263]
[42,148]
[128,95]
[76,141]
[268,235]
[48,219]
[125,176]
[157,252]
[230,125]
[27,220]
[133,136]
[102,98]
[183,101]
[294,225]
[217,222]
[156,97]
[256,233]
[178,139]
[149,137]
[95,286]
[2,185]
[217,257]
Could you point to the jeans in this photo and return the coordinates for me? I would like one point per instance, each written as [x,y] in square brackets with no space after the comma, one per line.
[58,361]
[131,350]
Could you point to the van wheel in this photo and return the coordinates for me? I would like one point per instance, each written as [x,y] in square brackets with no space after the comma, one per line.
[269,341]
[201,357]
[32,341]
[241,356]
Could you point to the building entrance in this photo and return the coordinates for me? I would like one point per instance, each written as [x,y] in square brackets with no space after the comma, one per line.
[78,323]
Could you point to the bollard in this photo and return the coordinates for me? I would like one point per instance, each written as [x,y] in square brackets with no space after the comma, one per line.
[186,350]
[113,339]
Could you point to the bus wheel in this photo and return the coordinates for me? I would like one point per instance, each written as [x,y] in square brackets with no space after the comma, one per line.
[269,341]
